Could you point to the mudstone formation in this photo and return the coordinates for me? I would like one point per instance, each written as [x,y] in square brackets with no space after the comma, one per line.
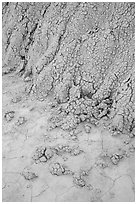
[79,54]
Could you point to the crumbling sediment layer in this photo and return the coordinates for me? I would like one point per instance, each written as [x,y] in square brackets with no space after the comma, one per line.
[81,54]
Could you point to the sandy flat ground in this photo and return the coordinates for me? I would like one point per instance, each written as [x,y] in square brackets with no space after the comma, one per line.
[99,167]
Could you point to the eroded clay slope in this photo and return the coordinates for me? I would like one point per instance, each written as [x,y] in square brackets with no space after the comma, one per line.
[68,101]
[81,53]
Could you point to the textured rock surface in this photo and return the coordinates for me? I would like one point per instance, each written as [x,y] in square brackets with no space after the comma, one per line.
[77,65]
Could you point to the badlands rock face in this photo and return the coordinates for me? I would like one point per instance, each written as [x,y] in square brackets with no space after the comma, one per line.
[76,62]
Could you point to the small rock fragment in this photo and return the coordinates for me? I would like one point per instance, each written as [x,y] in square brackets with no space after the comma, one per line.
[115,158]
[87,128]
[9,115]
[59,169]
[48,153]
[82,117]
[38,153]
[73,135]
[42,159]
[28,175]
[43,154]
[21,121]
[62,148]
[79,181]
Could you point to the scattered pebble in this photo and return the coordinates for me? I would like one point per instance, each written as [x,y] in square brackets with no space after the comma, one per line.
[43,159]
[39,152]
[115,158]
[21,121]
[28,175]
[48,153]
[87,128]
[9,115]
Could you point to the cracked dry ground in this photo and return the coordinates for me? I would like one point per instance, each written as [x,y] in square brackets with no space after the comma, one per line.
[68,101]
[88,164]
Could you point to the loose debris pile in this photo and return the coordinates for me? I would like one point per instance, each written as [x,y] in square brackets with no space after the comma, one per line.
[29,175]
[59,169]
[43,154]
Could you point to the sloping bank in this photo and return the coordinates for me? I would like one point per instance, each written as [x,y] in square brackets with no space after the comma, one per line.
[81,54]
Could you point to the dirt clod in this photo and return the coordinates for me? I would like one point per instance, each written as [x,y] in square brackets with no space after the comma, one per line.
[9,115]
[21,121]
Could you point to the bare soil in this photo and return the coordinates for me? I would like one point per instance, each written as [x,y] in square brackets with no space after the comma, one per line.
[80,166]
